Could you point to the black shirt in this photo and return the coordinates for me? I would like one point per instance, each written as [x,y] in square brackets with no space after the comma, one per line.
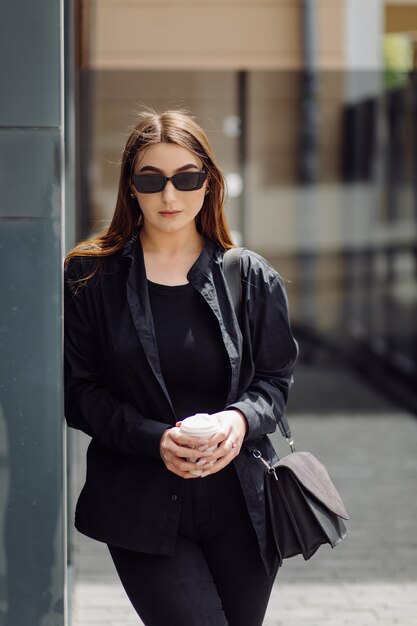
[193,358]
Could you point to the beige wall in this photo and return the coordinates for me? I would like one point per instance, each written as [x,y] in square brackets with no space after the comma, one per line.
[208,34]
[389,3]
[401,18]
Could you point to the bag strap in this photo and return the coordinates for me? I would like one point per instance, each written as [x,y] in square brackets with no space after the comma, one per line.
[231,269]
[232,274]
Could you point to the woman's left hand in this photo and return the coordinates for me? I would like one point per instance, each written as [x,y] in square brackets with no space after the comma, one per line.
[229,437]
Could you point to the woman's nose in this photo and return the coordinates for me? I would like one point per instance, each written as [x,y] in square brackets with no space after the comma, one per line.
[169,192]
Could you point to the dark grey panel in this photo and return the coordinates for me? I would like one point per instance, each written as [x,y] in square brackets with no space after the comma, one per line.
[31,471]
[29,173]
[30,63]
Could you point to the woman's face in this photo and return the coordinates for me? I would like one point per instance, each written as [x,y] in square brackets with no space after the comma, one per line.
[169,210]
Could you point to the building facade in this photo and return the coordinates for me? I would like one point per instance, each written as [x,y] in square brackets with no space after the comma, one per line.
[317,147]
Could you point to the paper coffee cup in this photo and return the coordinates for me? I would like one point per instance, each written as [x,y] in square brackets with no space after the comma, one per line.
[201,425]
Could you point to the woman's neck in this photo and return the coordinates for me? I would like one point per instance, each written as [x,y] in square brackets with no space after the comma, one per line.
[168,259]
[171,244]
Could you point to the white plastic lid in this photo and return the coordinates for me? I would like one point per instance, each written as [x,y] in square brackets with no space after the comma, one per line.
[200,425]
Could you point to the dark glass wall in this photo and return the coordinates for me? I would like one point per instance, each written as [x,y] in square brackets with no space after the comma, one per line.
[32,520]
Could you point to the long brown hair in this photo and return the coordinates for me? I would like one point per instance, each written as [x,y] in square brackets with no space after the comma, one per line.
[169,127]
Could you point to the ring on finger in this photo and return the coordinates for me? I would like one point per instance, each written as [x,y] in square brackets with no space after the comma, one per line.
[232,442]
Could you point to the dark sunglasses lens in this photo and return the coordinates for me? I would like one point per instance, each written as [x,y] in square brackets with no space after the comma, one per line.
[149,183]
[184,181]
[188,181]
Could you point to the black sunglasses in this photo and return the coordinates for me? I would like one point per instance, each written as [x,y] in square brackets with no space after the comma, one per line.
[183,181]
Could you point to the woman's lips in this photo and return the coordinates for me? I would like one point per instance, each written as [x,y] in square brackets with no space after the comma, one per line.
[169,213]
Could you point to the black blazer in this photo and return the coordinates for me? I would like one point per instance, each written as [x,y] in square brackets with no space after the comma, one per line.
[114,390]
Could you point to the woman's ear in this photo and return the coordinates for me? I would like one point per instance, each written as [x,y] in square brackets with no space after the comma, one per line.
[207,183]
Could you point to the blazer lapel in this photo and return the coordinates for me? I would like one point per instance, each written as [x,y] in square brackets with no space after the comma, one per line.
[202,278]
[138,301]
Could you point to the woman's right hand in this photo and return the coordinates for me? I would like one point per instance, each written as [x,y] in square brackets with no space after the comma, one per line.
[175,448]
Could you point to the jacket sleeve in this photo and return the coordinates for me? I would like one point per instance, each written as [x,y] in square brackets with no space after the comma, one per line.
[89,406]
[267,330]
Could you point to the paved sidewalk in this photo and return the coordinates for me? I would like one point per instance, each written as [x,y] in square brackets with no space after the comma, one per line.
[370,579]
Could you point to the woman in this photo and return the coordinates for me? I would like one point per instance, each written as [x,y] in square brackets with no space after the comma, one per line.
[151,337]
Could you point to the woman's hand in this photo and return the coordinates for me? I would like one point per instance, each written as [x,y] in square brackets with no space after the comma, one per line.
[229,437]
[175,448]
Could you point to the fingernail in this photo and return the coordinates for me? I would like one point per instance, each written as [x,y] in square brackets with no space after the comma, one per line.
[202,448]
[203,474]
[201,462]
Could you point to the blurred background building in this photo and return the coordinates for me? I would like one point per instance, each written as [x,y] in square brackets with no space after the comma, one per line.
[311,109]
[310,106]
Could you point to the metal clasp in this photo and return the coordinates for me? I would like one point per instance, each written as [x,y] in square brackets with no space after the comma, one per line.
[259,456]
[291,443]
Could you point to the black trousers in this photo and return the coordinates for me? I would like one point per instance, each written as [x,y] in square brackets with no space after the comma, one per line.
[216,576]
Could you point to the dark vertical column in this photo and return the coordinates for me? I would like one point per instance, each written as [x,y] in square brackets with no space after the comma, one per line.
[242,89]
[308,162]
[85,125]
[396,109]
[32,520]
[71,50]
[309,139]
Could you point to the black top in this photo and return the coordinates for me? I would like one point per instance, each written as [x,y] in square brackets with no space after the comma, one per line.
[193,358]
